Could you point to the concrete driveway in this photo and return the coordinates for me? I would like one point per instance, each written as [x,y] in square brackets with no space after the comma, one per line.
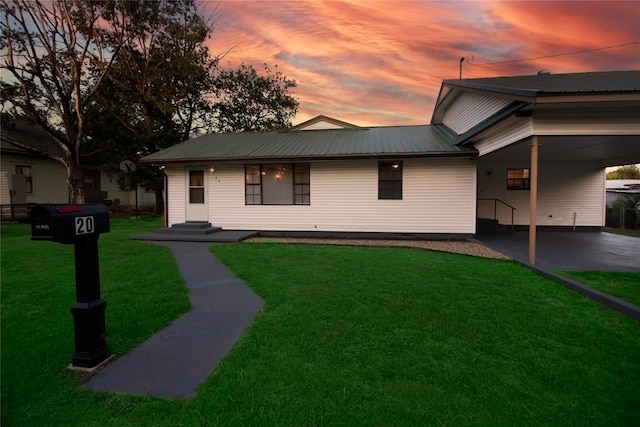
[570,250]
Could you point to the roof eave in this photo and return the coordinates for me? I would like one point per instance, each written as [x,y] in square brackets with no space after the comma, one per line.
[527,95]
[470,153]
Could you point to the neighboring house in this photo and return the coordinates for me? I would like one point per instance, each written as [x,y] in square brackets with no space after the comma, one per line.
[619,188]
[27,178]
[475,160]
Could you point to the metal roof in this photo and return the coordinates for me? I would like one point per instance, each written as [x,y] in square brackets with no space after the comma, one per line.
[556,84]
[29,134]
[376,142]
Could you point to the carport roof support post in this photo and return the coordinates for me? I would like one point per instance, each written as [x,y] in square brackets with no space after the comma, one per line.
[533,199]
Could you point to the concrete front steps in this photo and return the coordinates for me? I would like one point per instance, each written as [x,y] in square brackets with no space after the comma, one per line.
[196,232]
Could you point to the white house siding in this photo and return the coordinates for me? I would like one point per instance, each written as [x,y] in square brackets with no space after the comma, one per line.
[5,192]
[322,125]
[438,197]
[618,121]
[176,184]
[471,108]
[49,178]
[50,182]
[502,135]
[563,188]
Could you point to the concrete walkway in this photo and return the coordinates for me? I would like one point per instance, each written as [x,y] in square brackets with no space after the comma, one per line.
[176,360]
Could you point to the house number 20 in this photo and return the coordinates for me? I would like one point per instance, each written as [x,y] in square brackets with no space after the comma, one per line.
[84,225]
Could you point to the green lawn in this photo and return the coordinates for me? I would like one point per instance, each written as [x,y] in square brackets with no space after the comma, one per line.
[623,285]
[625,232]
[348,336]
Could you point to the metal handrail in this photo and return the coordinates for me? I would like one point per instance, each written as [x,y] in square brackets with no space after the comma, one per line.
[495,209]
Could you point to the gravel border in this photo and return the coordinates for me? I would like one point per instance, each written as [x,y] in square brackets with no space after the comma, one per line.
[459,247]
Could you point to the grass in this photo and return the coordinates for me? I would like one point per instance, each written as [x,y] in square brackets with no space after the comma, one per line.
[623,285]
[353,336]
[626,232]
[140,283]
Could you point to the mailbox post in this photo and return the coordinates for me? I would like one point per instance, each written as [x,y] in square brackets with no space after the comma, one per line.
[81,226]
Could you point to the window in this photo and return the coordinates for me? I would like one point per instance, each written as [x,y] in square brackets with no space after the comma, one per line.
[301,184]
[390,180]
[252,187]
[27,172]
[277,184]
[196,187]
[518,179]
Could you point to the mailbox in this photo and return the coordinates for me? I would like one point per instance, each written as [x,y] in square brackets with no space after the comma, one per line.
[68,223]
[80,225]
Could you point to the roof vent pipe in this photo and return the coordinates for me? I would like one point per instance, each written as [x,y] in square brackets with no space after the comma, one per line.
[544,72]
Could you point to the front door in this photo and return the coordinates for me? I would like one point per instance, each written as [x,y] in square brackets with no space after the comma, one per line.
[19,189]
[196,196]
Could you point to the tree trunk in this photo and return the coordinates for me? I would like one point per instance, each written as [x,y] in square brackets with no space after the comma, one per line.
[75,180]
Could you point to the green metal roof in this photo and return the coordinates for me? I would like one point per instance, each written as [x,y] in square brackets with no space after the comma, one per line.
[374,142]
[555,84]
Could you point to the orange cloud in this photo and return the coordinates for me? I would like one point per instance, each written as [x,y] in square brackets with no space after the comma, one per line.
[382,63]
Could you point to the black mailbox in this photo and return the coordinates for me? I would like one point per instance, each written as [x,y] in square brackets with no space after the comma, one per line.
[68,223]
[80,225]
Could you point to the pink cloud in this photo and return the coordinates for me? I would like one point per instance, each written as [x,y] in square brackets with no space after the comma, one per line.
[382,63]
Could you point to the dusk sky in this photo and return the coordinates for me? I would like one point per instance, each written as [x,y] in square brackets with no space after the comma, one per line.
[381,63]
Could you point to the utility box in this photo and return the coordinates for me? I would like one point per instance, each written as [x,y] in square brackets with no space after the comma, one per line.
[68,223]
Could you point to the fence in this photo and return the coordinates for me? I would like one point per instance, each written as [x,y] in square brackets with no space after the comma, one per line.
[22,212]
[623,218]
[16,212]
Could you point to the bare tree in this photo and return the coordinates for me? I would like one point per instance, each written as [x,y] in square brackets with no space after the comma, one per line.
[59,52]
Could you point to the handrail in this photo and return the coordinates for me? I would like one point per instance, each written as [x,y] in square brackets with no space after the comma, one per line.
[495,209]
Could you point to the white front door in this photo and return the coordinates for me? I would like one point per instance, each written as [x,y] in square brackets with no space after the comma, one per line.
[196,196]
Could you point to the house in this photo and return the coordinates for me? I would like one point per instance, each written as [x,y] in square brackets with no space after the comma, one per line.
[527,151]
[27,178]
[621,188]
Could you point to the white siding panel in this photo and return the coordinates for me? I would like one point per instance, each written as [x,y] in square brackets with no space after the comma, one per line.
[176,184]
[49,178]
[563,189]
[5,192]
[470,108]
[321,126]
[439,197]
[502,135]
[50,182]
[616,122]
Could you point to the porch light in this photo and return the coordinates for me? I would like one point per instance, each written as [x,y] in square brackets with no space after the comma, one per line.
[212,169]
[395,166]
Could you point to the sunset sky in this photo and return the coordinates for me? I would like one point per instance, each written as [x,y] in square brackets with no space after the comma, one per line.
[382,63]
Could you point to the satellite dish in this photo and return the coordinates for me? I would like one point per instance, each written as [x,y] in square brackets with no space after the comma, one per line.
[127,166]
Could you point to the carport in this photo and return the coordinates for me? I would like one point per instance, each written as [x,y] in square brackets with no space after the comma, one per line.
[570,250]
[553,135]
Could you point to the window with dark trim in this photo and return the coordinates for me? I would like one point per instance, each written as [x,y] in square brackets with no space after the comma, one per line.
[277,184]
[518,179]
[252,187]
[301,184]
[390,180]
